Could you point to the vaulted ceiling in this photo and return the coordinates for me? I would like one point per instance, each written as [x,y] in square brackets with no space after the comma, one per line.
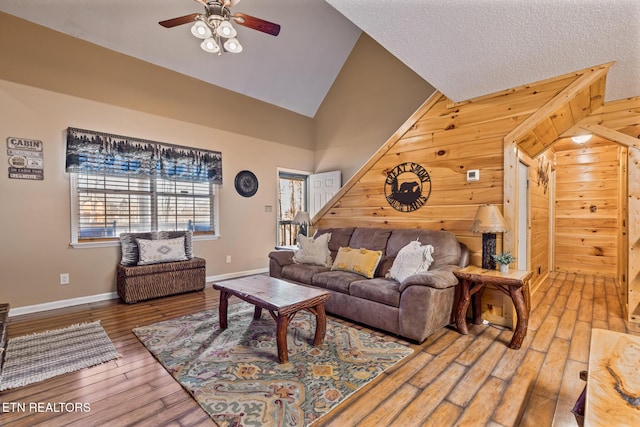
[464,48]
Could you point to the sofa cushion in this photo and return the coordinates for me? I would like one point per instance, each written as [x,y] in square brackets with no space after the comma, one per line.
[374,239]
[339,237]
[361,261]
[384,291]
[399,239]
[446,249]
[414,258]
[338,281]
[302,273]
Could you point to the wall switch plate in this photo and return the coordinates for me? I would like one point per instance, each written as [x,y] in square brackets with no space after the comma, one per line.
[228,259]
[64,278]
[473,175]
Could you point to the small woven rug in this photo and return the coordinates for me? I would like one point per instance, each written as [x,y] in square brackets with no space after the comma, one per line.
[37,357]
[235,376]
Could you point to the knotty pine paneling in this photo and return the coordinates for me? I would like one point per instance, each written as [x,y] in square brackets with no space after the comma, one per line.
[539,217]
[586,210]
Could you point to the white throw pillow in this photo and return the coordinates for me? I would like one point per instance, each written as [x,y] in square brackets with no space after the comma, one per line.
[412,259]
[161,250]
[313,251]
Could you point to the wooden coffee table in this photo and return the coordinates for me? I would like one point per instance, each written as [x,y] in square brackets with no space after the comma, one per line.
[282,299]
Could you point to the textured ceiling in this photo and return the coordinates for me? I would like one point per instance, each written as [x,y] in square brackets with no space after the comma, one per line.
[464,48]
[294,70]
[469,48]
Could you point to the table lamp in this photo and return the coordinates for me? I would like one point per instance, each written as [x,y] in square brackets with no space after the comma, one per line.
[488,221]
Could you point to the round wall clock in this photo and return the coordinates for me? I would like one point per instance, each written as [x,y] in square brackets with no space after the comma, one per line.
[246,183]
[407,187]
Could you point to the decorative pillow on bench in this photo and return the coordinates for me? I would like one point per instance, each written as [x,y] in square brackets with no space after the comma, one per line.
[129,246]
[161,250]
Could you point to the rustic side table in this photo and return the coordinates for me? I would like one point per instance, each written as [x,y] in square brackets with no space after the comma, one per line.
[515,284]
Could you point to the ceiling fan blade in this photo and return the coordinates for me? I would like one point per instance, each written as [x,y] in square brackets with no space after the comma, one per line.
[256,24]
[169,23]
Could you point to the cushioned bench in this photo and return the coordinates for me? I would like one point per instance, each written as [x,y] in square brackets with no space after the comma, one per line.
[156,265]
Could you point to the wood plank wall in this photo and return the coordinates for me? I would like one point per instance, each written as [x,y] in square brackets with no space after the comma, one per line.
[540,190]
[449,139]
[586,210]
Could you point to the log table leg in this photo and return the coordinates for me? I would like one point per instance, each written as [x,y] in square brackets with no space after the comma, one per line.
[321,324]
[522,311]
[282,322]
[463,306]
[222,310]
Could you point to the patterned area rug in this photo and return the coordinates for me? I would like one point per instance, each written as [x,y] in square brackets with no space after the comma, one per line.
[235,375]
[37,357]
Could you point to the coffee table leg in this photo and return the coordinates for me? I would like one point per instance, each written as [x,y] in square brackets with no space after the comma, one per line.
[222,310]
[282,322]
[257,313]
[321,325]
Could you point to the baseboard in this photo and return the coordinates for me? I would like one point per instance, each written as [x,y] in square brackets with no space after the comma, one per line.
[28,309]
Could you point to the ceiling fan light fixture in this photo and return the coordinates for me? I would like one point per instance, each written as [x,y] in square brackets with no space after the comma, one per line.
[201,30]
[210,45]
[233,45]
[226,30]
[581,139]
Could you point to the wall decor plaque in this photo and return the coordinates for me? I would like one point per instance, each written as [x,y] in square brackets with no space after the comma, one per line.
[25,158]
[407,187]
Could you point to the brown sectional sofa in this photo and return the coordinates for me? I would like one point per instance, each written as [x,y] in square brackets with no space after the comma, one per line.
[414,309]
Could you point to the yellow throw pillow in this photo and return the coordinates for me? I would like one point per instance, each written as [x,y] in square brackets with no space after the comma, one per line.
[361,261]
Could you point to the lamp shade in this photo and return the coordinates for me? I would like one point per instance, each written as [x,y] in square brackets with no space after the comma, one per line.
[201,30]
[302,217]
[210,45]
[233,46]
[488,219]
[226,30]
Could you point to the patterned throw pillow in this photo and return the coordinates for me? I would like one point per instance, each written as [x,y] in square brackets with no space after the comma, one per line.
[313,251]
[361,261]
[130,247]
[161,250]
[412,259]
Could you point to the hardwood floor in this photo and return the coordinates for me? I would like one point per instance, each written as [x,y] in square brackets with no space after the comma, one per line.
[451,379]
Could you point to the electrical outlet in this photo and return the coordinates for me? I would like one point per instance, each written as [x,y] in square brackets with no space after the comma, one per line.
[64,278]
[228,259]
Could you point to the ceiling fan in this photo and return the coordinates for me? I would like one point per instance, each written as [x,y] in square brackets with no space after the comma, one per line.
[215,29]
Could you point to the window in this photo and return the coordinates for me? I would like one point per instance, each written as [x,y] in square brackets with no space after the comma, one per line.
[120,187]
[106,206]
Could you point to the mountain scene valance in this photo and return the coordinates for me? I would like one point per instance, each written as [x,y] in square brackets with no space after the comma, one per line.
[103,153]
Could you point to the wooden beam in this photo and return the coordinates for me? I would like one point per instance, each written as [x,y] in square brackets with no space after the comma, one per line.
[613,135]
[585,80]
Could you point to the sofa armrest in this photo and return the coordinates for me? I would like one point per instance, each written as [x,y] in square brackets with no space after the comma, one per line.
[439,278]
[282,257]
[279,259]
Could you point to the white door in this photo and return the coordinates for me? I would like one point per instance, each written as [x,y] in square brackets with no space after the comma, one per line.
[322,187]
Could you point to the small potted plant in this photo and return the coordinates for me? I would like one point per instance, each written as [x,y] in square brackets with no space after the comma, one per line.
[504,259]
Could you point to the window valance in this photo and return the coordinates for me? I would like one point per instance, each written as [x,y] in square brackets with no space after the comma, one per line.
[98,152]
